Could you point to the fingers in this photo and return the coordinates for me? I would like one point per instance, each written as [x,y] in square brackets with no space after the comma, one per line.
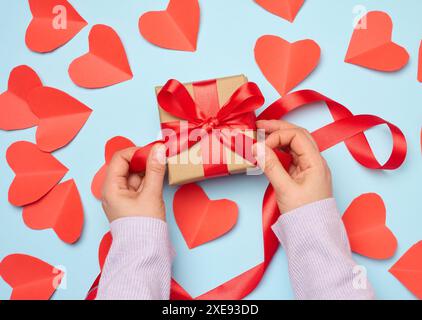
[297,140]
[118,170]
[155,171]
[271,126]
[134,181]
[270,164]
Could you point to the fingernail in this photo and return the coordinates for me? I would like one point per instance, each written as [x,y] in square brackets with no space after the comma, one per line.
[259,153]
[160,154]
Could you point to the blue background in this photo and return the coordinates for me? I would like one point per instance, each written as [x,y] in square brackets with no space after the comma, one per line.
[227,36]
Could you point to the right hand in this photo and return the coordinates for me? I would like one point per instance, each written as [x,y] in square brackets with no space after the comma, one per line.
[308,180]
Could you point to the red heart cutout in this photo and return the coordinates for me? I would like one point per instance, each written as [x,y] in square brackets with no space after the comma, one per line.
[60,116]
[15,113]
[174,28]
[112,146]
[106,62]
[36,172]
[286,9]
[371,45]
[408,270]
[365,225]
[54,23]
[420,64]
[30,277]
[61,210]
[286,64]
[200,219]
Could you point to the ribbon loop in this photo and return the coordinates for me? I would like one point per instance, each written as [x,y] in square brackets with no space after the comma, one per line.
[346,128]
[175,99]
[247,99]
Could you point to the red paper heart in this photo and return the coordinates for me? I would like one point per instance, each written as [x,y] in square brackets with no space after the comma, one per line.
[54,23]
[408,269]
[200,219]
[420,64]
[286,64]
[60,116]
[30,277]
[112,146]
[15,113]
[106,62]
[36,172]
[174,28]
[61,210]
[286,9]
[365,225]
[371,45]
[98,182]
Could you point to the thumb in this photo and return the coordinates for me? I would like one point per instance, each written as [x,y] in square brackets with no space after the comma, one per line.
[270,164]
[155,170]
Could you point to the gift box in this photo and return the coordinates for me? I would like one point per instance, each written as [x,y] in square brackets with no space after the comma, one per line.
[218,116]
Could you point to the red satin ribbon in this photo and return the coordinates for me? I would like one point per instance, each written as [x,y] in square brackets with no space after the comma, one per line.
[346,128]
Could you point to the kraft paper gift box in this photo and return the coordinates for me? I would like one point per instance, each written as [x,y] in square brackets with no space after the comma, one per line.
[181,168]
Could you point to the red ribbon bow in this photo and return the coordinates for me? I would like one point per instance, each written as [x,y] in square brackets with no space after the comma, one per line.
[237,113]
[207,122]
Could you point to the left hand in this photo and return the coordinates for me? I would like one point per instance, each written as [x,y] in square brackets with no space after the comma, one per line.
[128,194]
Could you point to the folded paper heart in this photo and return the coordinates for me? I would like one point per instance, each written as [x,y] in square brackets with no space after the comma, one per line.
[30,277]
[112,146]
[200,219]
[36,172]
[408,270]
[346,128]
[105,64]
[365,225]
[15,112]
[178,25]
[54,23]
[286,64]
[371,45]
[61,210]
[286,9]
[60,116]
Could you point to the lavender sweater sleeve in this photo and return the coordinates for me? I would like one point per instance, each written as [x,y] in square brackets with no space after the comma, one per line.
[138,266]
[318,253]
[320,263]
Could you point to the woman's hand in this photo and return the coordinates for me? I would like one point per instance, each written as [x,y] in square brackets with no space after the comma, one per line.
[308,179]
[130,195]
